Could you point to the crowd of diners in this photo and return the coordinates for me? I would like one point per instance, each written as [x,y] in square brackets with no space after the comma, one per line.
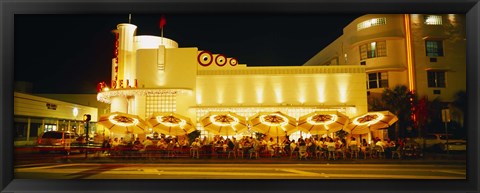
[249,147]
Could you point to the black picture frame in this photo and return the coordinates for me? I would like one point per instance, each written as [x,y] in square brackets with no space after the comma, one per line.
[8,183]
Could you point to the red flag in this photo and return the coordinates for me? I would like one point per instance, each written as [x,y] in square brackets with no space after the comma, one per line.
[163,21]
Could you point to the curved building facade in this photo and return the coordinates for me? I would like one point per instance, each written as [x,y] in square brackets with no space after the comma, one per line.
[153,74]
[426,52]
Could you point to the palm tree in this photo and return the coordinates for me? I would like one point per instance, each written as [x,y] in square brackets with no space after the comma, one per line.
[399,101]
[434,118]
[459,110]
[460,101]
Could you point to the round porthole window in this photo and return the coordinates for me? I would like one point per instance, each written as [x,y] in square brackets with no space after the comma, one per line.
[233,62]
[205,58]
[221,60]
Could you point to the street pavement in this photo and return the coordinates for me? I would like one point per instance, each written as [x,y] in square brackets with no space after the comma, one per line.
[100,166]
[239,171]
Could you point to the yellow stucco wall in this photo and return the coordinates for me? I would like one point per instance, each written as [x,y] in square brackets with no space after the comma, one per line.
[283,86]
[452,32]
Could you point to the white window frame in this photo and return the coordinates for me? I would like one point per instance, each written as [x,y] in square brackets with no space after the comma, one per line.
[371,22]
[380,77]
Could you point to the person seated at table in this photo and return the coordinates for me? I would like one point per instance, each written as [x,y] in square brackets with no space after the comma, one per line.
[246,145]
[330,143]
[195,147]
[293,145]
[184,145]
[147,143]
[380,143]
[271,146]
[353,141]
[255,147]
[321,143]
[263,146]
[302,149]
[114,145]
[218,147]
[390,146]
[337,142]
[137,145]
[122,141]
[310,143]
[364,143]
[231,143]
[204,141]
[321,147]
[136,141]
[105,148]
[331,147]
[286,145]
[391,143]
[162,146]
[239,147]
[225,147]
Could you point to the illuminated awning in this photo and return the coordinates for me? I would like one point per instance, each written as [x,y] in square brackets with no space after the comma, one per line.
[224,123]
[371,121]
[171,124]
[118,122]
[273,124]
[318,123]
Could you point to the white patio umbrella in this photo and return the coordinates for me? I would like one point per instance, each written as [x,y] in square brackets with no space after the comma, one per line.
[170,123]
[322,122]
[224,123]
[273,124]
[371,121]
[123,123]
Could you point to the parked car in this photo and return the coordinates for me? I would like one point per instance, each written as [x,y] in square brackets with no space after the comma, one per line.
[57,141]
[455,146]
[437,142]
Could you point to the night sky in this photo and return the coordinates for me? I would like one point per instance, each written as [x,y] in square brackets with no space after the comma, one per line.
[72,53]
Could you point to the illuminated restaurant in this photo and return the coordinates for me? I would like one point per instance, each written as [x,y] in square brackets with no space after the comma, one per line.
[152,74]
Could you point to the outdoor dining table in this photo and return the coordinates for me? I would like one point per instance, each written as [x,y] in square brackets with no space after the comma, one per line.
[206,150]
[217,150]
[246,149]
[278,150]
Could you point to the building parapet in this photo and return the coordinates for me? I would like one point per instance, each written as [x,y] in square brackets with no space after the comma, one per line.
[285,70]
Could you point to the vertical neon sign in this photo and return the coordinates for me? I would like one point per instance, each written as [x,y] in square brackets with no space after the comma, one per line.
[115,63]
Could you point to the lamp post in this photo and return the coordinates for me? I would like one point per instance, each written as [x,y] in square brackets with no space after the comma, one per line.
[86,118]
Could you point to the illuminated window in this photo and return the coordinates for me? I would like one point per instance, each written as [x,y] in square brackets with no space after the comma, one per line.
[371,23]
[377,80]
[433,20]
[373,50]
[161,103]
[436,79]
[434,48]
[50,128]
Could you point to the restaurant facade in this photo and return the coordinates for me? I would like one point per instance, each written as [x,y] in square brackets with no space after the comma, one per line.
[152,74]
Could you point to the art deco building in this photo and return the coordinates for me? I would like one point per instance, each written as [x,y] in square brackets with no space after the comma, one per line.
[153,74]
[425,52]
